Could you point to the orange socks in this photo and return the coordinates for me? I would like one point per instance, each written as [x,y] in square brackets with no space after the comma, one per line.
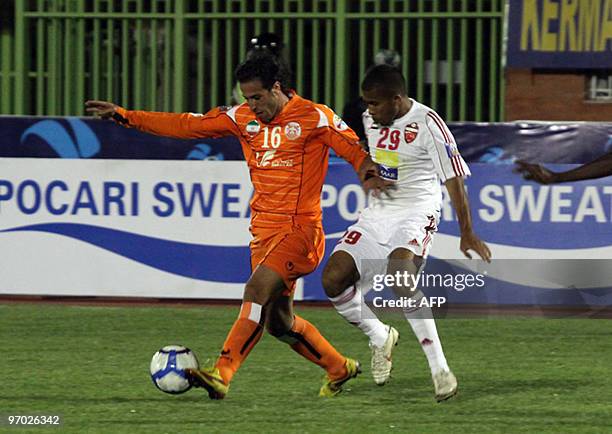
[305,339]
[241,339]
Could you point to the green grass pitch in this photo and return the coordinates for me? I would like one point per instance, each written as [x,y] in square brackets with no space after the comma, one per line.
[90,365]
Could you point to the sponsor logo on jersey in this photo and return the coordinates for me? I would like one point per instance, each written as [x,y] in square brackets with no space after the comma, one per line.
[451,149]
[414,242]
[282,163]
[293,130]
[267,160]
[411,131]
[339,123]
[388,173]
[387,157]
[253,127]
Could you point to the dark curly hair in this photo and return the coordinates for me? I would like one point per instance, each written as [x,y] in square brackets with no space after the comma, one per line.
[264,67]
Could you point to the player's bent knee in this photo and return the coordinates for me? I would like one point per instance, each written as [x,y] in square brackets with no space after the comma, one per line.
[255,293]
[335,282]
[278,329]
[263,286]
[281,330]
[279,319]
[339,274]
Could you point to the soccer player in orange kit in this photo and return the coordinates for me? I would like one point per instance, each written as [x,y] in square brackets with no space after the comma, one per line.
[285,140]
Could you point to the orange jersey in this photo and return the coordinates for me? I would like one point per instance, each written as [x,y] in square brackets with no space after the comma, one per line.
[287,157]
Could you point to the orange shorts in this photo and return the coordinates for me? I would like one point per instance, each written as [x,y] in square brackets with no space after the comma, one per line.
[292,247]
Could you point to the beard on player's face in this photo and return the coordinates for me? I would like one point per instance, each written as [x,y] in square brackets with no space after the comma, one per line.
[265,103]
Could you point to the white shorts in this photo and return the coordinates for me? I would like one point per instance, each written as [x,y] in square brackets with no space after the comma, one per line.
[371,240]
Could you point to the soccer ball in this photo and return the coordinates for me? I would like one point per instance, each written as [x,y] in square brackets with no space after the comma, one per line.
[167,368]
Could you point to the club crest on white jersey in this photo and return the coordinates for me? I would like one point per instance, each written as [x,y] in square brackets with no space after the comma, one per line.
[411,131]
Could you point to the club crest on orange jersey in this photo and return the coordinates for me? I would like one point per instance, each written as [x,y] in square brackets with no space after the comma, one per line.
[411,131]
[252,127]
[293,130]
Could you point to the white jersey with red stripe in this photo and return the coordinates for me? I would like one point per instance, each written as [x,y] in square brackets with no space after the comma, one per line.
[416,151]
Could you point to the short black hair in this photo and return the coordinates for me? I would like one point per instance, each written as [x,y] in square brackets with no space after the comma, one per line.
[386,78]
[266,68]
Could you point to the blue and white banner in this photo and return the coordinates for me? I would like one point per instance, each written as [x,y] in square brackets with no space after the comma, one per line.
[519,220]
[124,228]
[179,229]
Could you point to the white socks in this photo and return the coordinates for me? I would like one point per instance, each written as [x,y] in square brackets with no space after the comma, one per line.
[424,327]
[352,307]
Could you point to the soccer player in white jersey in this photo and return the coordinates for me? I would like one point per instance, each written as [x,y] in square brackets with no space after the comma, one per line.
[415,150]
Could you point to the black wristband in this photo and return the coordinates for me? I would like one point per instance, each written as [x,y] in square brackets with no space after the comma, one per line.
[120,119]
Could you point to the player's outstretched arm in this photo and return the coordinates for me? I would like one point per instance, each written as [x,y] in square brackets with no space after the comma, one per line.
[215,123]
[469,240]
[597,168]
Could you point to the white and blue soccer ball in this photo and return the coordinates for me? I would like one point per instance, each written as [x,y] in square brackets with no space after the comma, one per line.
[168,368]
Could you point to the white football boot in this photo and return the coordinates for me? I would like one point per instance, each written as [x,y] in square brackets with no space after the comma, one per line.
[445,385]
[381,358]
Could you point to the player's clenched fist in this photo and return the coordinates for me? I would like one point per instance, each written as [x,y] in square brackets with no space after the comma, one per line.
[103,109]
[371,180]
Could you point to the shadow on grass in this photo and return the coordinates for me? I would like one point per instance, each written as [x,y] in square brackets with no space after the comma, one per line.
[496,387]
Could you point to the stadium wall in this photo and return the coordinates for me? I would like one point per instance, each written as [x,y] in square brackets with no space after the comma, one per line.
[554,95]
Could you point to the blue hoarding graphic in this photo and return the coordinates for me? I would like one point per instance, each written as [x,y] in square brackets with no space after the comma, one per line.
[499,143]
[183,259]
[95,138]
